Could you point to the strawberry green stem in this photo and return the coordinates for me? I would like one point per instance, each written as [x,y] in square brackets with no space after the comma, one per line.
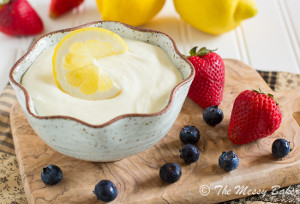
[3,2]
[261,92]
[201,52]
[258,91]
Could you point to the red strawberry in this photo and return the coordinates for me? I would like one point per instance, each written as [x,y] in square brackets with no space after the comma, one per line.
[59,7]
[254,115]
[207,87]
[17,17]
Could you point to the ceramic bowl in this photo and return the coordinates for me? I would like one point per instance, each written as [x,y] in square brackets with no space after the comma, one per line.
[120,137]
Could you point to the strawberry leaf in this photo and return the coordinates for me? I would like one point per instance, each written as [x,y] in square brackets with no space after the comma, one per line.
[258,91]
[202,52]
[3,2]
[271,95]
[193,51]
[261,92]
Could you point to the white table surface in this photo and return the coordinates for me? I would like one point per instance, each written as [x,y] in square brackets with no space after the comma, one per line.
[270,41]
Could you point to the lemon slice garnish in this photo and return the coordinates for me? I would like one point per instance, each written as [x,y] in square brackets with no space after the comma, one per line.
[75,66]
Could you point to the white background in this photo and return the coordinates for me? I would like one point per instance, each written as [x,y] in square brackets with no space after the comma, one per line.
[270,41]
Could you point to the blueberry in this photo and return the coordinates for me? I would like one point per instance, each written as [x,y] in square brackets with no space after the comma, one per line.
[189,135]
[189,153]
[213,115]
[106,191]
[228,161]
[170,172]
[280,148]
[51,175]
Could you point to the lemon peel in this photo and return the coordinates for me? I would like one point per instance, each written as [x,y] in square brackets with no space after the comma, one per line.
[215,16]
[132,12]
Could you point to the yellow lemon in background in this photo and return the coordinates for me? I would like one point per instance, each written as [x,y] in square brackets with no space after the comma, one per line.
[132,12]
[215,16]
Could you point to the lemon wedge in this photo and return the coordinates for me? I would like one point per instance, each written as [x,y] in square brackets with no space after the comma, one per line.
[75,66]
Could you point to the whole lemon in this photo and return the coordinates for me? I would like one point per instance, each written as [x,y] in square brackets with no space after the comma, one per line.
[132,12]
[215,16]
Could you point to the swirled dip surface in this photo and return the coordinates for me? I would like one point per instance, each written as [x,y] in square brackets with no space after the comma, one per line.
[145,74]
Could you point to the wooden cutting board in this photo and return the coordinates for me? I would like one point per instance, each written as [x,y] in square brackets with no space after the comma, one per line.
[137,177]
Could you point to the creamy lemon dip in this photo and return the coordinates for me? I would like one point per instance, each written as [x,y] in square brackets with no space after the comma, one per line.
[145,74]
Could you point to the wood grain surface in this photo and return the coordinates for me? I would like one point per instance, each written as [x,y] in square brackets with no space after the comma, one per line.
[137,177]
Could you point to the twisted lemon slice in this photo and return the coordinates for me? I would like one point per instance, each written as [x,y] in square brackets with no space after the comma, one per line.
[75,67]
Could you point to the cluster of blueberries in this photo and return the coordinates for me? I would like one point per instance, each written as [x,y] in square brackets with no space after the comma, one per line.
[106,190]
[190,135]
